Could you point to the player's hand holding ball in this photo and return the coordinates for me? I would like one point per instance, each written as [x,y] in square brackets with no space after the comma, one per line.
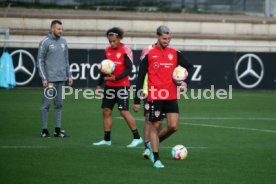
[107,66]
[179,75]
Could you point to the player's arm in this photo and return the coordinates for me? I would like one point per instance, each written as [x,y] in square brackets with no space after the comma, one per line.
[42,50]
[125,73]
[128,69]
[101,80]
[143,69]
[182,61]
[68,72]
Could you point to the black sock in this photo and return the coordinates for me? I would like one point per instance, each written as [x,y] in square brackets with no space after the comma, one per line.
[156,156]
[107,135]
[136,134]
[57,129]
[146,144]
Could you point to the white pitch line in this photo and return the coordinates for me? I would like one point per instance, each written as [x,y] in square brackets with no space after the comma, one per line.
[228,118]
[23,147]
[220,126]
[229,127]
[217,118]
[163,147]
[188,147]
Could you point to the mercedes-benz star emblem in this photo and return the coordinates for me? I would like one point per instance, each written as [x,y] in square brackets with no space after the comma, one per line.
[249,70]
[28,71]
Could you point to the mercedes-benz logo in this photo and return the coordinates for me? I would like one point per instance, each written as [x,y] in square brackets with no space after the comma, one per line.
[28,71]
[249,70]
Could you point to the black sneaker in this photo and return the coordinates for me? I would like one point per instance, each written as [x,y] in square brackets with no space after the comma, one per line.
[60,134]
[45,133]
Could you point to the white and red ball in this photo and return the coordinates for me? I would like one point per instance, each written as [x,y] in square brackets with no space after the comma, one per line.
[179,152]
[180,73]
[107,66]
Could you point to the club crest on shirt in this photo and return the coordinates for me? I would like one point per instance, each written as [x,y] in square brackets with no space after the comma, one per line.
[170,56]
[155,65]
[157,114]
[118,55]
[147,106]
[62,46]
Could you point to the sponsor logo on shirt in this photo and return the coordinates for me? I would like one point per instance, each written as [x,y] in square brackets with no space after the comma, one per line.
[52,46]
[166,65]
[155,65]
[117,63]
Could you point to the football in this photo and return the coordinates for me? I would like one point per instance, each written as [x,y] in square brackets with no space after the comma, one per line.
[179,73]
[179,152]
[107,66]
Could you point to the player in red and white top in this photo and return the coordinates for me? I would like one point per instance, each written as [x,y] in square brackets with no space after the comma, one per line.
[116,88]
[146,129]
[159,63]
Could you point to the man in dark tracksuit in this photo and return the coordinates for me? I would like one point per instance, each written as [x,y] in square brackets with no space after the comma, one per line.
[53,67]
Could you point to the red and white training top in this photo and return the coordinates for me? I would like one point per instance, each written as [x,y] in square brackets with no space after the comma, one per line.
[119,56]
[159,64]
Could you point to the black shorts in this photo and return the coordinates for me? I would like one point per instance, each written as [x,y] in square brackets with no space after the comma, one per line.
[147,109]
[158,107]
[146,106]
[113,95]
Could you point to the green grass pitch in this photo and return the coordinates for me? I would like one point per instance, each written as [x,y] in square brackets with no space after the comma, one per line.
[229,141]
